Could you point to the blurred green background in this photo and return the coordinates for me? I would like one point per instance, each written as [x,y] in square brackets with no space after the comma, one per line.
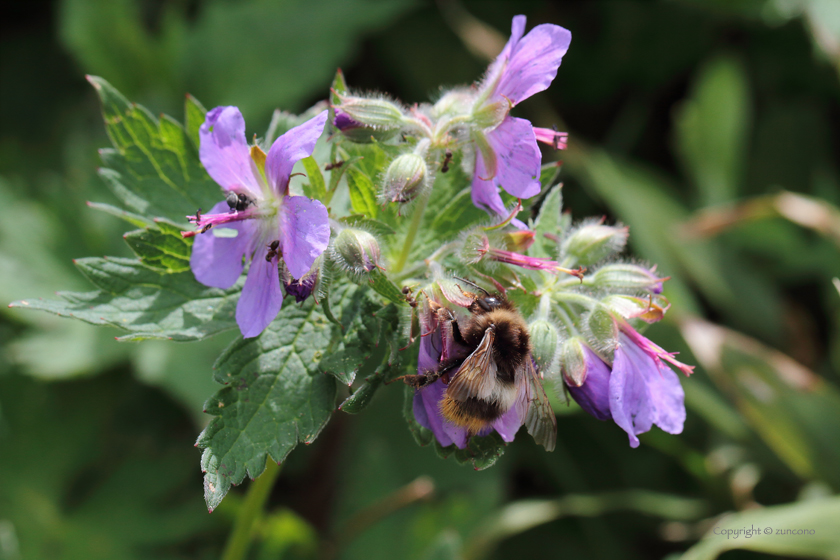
[711,128]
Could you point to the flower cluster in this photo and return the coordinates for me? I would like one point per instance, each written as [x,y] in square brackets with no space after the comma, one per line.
[587,304]
[499,150]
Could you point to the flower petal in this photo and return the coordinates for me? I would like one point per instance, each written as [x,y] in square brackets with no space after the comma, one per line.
[668,398]
[217,261]
[594,395]
[517,29]
[287,150]
[261,297]
[485,194]
[630,400]
[445,432]
[518,157]
[223,151]
[304,233]
[509,423]
[533,62]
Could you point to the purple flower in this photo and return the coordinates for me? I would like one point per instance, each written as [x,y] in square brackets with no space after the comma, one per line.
[438,346]
[259,220]
[638,391]
[507,154]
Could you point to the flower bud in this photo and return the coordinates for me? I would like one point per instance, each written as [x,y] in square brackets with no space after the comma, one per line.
[455,102]
[573,361]
[545,338]
[379,113]
[405,178]
[649,310]
[602,328]
[591,242]
[627,277]
[357,132]
[475,246]
[356,251]
[519,240]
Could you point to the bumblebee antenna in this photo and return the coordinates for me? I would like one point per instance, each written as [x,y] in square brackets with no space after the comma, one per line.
[473,284]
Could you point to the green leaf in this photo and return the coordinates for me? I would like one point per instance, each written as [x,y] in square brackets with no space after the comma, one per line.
[550,220]
[153,168]
[480,453]
[375,227]
[806,529]
[381,284]
[712,127]
[315,188]
[276,396]
[162,248]
[130,217]
[145,302]
[194,116]
[362,193]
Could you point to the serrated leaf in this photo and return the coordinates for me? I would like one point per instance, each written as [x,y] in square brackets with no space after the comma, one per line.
[275,398]
[145,302]
[549,221]
[134,219]
[362,193]
[362,396]
[194,116]
[375,227]
[316,188]
[161,248]
[153,167]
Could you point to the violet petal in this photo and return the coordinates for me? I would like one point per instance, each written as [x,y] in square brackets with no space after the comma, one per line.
[305,233]
[594,395]
[261,297]
[533,62]
[223,151]
[217,261]
[446,432]
[630,400]
[290,148]
[485,194]
[518,157]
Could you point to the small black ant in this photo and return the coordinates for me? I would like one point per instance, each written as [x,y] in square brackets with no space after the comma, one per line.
[335,165]
[272,250]
[447,158]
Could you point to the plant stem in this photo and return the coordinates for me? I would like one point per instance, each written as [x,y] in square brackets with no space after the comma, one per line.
[243,528]
[413,227]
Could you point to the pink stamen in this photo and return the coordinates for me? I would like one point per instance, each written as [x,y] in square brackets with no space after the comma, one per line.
[557,140]
[204,222]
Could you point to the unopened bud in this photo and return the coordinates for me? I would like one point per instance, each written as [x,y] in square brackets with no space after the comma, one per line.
[405,178]
[590,243]
[627,277]
[455,102]
[357,132]
[379,113]
[356,251]
[573,360]
[519,240]
[602,328]
[545,338]
[475,246]
[648,309]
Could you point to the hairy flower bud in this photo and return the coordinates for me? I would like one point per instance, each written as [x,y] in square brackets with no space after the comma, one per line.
[591,242]
[356,251]
[627,277]
[573,361]
[405,178]
[545,338]
[379,113]
[602,328]
[475,246]
[357,132]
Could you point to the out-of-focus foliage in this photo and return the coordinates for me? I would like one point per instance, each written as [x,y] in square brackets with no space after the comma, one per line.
[710,128]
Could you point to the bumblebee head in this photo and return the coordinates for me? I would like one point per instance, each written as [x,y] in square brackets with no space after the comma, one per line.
[488,303]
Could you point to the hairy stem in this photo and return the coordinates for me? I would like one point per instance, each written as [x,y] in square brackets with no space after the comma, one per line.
[413,228]
[243,528]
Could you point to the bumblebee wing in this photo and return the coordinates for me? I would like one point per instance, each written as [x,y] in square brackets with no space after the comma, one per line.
[477,375]
[539,419]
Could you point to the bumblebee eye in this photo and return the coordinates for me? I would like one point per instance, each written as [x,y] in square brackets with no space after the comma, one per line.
[492,302]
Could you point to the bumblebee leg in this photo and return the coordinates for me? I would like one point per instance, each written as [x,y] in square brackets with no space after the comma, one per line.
[456,333]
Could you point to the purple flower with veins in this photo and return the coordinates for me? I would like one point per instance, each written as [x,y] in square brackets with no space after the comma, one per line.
[259,220]
[507,154]
[638,391]
[438,346]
